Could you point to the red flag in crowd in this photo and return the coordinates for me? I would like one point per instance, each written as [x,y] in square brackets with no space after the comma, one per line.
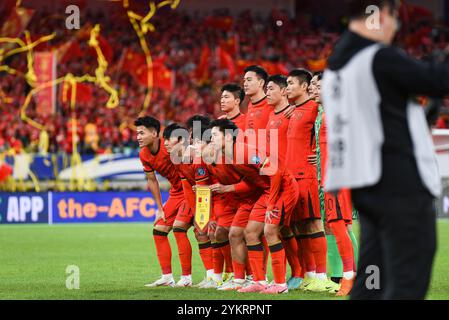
[230,45]
[273,67]
[132,61]
[241,64]
[202,70]
[68,51]
[317,65]
[15,24]
[163,78]
[84,92]
[226,61]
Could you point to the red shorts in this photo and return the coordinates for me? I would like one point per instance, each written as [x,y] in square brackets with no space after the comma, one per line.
[283,209]
[347,204]
[308,205]
[241,217]
[224,209]
[337,208]
[176,208]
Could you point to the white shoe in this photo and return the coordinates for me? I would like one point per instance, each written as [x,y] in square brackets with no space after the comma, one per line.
[232,285]
[185,281]
[202,283]
[249,278]
[162,282]
[248,283]
[211,284]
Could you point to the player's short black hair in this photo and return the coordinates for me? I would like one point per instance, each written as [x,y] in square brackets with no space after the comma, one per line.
[279,79]
[303,75]
[204,125]
[168,131]
[356,9]
[204,119]
[318,74]
[259,71]
[149,123]
[236,90]
[225,125]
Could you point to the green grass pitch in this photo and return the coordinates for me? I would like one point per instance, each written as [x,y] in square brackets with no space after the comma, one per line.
[116,260]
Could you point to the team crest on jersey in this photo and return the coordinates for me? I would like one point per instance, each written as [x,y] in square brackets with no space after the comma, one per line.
[255,159]
[298,115]
[277,124]
[200,171]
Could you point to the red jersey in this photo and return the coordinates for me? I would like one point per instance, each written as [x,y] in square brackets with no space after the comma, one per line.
[226,175]
[203,177]
[240,121]
[277,121]
[187,175]
[251,167]
[161,163]
[186,171]
[301,140]
[256,119]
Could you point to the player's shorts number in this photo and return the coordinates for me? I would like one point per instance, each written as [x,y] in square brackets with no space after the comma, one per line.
[330,204]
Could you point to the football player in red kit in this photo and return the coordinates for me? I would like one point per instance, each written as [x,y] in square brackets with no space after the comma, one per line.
[277,146]
[271,211]
[176,213]
[242,201]
[232,96]
[177,139]
[254,83]
[221,215]
[307,215]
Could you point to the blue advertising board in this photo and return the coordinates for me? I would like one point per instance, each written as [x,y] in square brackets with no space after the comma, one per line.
[19,208]
[80,207]
[107,166]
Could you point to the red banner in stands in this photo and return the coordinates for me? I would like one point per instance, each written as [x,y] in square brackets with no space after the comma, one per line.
[45,70]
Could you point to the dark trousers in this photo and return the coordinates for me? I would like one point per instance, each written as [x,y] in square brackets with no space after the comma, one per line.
[398,239]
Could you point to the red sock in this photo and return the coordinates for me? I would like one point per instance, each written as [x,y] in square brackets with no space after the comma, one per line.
[226,251]
[218,259]
[266,249]
[300,255]
[163,250]
[319,249]
[344,244]
[256,259]
[277,262]
[184,250]
[249,271]
[291,253]
[239,270]
[307,253]
[205,249]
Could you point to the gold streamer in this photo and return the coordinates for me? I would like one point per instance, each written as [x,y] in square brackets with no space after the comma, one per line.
[142,25]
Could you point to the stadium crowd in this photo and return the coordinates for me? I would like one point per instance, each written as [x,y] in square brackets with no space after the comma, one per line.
[187,46]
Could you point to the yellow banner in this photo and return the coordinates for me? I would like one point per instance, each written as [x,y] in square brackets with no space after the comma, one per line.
[203,207]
